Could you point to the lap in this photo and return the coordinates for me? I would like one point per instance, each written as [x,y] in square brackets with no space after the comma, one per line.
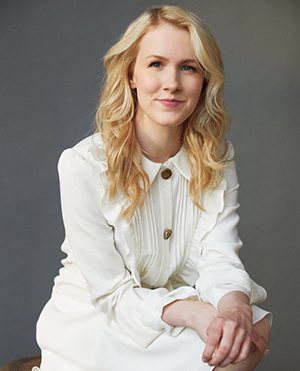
[74,336]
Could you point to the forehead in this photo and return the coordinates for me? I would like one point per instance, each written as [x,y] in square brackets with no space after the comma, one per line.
[168,41]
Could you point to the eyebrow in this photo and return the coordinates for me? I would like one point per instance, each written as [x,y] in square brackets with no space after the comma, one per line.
[166,59]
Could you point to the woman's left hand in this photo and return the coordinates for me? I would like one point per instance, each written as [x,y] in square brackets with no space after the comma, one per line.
[230,333]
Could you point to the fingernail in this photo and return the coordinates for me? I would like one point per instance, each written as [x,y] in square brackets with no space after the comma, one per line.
[266,352]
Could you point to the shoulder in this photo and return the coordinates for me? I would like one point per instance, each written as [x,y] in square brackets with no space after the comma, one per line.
[229,179]
[227,158]
[227,151]
[88,153]
[230,175]
[92,142]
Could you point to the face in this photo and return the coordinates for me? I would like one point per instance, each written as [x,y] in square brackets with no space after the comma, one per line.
[166,77]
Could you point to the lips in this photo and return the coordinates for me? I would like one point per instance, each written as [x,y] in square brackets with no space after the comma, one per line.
[170,102]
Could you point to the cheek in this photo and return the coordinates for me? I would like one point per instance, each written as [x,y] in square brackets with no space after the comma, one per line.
[147,84]
[195,89]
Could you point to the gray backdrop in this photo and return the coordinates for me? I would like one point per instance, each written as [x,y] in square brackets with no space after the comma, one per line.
[50,75]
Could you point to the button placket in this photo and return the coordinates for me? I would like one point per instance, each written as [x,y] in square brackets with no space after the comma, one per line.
[166,206]
[166,203]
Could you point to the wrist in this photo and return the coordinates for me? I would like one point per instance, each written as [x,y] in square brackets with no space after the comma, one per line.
[233,300]
[181,312]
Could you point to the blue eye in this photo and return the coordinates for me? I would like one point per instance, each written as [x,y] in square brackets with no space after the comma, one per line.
[188,68]
[156,64]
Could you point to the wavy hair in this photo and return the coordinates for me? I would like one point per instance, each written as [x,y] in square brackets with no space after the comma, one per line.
[203,132]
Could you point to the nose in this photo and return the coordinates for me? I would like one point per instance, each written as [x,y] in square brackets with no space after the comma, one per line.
[171,81]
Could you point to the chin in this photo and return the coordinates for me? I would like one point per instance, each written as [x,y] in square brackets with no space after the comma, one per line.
[174,124]
[169,121]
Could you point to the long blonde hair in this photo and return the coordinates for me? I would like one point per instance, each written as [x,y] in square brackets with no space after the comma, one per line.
[204,131]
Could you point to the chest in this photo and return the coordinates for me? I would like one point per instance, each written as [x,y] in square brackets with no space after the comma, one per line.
[163,228]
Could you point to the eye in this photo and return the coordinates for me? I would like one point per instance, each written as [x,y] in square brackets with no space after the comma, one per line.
[156,64]
[188,68]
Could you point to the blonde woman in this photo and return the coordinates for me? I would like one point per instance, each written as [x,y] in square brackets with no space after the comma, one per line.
[152,278]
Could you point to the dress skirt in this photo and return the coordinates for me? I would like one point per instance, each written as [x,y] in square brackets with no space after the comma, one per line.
[75,336]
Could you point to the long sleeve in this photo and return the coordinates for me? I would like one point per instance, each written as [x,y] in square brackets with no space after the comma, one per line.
[92,243]
[220,268]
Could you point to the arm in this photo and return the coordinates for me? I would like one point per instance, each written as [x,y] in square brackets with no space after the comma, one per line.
[220,268]
[224,286]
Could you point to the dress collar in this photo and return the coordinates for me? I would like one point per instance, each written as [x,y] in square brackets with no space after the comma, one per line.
[180,161]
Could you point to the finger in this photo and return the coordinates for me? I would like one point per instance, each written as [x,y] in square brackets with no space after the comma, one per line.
[259,342]
[214,335]
[210,347]
[226,344]
[244,351]
[239,349]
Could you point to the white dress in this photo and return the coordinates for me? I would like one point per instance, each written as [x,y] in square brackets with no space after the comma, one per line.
[105,310]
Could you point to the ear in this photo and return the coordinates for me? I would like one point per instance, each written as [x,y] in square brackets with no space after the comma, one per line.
[132,84]
[131,80]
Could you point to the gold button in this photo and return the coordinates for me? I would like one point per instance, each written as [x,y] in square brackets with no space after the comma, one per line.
[167,234]
[166,174]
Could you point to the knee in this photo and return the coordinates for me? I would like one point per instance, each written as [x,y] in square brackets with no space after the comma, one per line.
[263,329]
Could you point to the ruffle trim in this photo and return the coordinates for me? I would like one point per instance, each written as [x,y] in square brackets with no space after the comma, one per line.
[92,150]
[213,203]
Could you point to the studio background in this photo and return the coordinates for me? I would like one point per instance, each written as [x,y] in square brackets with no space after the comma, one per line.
[50,76]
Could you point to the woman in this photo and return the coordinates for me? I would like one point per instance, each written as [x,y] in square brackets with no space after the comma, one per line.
[152,279]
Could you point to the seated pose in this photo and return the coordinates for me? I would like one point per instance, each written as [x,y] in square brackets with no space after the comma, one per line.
[152,280]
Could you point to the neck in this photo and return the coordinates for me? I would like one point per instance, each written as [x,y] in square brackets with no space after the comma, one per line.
[159,144]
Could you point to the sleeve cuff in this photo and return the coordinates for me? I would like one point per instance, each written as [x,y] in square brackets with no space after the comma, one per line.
[215,295]
[181,293]
[158,298]
[235,281]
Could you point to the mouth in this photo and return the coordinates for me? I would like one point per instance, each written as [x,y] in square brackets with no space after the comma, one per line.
[170,102]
